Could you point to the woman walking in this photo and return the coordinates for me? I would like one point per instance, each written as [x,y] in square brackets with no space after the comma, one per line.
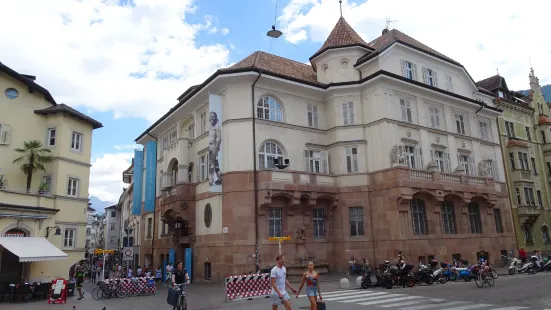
[311,278]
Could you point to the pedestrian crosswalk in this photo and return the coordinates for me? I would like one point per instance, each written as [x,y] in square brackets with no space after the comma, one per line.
[388,300]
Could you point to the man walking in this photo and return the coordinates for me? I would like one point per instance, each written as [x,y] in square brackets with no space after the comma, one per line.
[279,282]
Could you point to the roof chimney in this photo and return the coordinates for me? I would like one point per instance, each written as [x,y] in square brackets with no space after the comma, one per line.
[385,31]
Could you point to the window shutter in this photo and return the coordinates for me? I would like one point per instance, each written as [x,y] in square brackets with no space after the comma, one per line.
[403,67]
[5,134]
[434,78]
[325,161]
[306,160]
[310,116]
[315,115]
[419,158]
[425,77]
[414,72]
[351,111]
[447,167]
[355,163]
[345,113]
[494,170]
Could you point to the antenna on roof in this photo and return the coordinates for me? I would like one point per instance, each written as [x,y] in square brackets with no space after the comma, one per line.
[388,21]
[340,5]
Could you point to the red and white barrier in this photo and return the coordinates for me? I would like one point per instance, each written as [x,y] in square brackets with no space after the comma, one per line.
[241,287]
[137,286]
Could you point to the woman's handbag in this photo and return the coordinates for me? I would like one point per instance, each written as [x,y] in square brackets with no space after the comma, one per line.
[321,305]
[172,298]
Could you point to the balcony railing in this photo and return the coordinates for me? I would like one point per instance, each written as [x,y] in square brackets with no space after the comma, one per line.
[529,210]
[421,174]
[522,176]
[447,177]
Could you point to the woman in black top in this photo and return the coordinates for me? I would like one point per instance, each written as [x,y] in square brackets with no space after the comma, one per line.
[180,275]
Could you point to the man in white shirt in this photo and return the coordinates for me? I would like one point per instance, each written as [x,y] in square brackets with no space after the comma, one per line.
[279,282]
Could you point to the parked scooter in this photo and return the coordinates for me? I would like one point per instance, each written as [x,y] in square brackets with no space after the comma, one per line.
[450,273]
[424,275]
[546,266]
[528,267]
[437,271]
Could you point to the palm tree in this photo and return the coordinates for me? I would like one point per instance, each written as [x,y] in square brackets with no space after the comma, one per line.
[33,159]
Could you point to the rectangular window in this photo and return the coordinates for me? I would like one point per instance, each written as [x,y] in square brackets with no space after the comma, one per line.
[165,142]
[523,161]
[500,94]
[405,111]
[69,238]
[72,187]
[529,196]
[442,160]
[430,77]
[348,113]
[113,213]
[540,200]
[203,118]
[413,156]
[88,231]
[434,113]
[356,217]
[47,182]
[112,227]
[76,141]
[51,136]
[467,162]
[275,224]
[448,218]
[475,222]
[548,168]
[528,135]
[512,161]
[318,217]
[460,123]
[149,227]
[517,197]
[191,131]
[173,137]
[351,154]
[534,168]
[509,129]
[112,240]
[484,129]
[5,134]
[313,116]
[498,221]
[543,139]
[449,83]
[409,70]
[202,173]
[316,161]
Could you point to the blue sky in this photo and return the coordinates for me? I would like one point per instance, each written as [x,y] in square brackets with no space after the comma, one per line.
[124,62]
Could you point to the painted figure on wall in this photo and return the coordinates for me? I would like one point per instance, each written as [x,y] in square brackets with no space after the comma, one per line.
[215,139]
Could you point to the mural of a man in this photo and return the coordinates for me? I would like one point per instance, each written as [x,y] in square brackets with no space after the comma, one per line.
[215,139]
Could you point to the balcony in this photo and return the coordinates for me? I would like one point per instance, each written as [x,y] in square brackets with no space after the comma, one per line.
[529,211]
[22,197]
[522,176]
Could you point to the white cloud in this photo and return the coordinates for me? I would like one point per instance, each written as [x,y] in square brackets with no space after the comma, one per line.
[482,35]
[128,147]
[225,31]
[106,175]
[85,51]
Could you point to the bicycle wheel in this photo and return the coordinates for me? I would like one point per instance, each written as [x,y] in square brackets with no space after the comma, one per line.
[494,274]
[99,293]
[122,291]
[182,304]
[490,281]
[479,281]
[503,263]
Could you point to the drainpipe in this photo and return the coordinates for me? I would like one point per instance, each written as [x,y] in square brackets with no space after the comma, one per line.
[255,177]
[154,213]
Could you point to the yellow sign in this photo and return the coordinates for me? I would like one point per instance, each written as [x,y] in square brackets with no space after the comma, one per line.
[279,238]
[100,251]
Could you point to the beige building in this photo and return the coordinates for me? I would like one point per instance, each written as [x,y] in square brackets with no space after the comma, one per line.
[390,146]
[42,226]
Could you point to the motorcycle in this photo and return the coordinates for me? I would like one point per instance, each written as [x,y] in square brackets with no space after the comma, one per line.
[517,267]
[395,276]
[424,275]
[450,273]
[437,272]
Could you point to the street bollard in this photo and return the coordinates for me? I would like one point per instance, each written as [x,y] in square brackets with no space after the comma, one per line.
[359,281]
[344,283]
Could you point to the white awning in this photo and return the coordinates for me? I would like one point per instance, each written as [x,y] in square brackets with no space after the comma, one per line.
[32,249]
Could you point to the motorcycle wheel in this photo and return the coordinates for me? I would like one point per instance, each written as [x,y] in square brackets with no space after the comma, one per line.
[410,282]
[429,280]
[467,278]
[389,283]
[442,280]
[453,277]
[512,271]
[364,285]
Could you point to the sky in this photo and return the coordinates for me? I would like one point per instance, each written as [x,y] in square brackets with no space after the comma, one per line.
[124,62]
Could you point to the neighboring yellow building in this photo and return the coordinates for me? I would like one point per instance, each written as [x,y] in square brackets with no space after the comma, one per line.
[42,228]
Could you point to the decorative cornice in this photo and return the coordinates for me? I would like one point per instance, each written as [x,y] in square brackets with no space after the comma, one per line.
[339,143]
[72,161]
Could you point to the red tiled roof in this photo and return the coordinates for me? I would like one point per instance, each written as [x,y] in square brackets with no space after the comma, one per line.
[277,65]
[490,83]
[63,108]
[342,35]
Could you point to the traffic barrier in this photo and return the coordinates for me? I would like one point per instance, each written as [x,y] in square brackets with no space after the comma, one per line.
[243,287]
[137,286]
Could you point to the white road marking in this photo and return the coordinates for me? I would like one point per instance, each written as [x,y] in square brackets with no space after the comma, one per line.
[405,303]
[340,293]
[423,307]
[470,307]
[374,295]
[510,308]
[384,301]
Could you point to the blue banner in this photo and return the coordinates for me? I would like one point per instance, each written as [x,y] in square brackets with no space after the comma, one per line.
[171,256]
[189,262]
[150,176]
[138,183]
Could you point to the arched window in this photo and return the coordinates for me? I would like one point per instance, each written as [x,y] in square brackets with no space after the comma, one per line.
[268,108]
[527,230]
[545,234]
[268,151]
[419,217]
[448,218]
[475,221]
[173,170]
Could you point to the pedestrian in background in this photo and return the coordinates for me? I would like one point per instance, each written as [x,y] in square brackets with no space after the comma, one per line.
[93,274]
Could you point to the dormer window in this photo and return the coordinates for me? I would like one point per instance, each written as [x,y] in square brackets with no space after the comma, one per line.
[500,94]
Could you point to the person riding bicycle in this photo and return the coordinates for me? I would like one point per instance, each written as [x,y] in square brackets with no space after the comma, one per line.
[180,277]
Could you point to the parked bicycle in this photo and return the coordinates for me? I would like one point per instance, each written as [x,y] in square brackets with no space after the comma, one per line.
[505,261]
[109,289]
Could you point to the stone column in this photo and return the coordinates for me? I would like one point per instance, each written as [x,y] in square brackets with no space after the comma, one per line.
[182,174]
[184,156]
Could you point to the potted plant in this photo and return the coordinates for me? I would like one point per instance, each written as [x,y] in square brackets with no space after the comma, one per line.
[42,188]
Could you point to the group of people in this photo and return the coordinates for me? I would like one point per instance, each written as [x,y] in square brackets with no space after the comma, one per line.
[523,256]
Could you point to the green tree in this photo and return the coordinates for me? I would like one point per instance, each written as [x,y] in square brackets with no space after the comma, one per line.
[33,158]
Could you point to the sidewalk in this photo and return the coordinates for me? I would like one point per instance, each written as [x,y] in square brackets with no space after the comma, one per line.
[87,303]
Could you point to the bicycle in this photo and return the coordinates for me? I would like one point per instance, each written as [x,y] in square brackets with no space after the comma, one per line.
[483,278]
[505,261]
[182,304]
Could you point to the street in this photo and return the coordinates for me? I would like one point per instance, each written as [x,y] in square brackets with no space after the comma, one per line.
[519,292]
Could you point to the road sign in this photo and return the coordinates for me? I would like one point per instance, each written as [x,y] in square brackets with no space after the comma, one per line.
[127,254]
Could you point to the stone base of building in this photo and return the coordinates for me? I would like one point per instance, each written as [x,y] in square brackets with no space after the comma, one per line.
[385,198]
